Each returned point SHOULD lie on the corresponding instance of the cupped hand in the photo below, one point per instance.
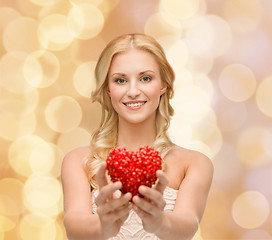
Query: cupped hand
(150, 208)
(112, 210)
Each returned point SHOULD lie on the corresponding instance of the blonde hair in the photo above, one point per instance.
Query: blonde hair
(105, 137)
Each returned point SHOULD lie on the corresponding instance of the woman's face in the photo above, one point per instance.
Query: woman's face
(134, 85)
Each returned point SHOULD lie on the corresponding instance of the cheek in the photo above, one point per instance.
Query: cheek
(115, 94)
(154, 96)
(154, 92)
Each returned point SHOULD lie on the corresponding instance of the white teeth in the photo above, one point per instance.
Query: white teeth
(134, 104)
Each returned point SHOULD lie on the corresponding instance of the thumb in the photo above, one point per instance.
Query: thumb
(101, 176)
(162, 181)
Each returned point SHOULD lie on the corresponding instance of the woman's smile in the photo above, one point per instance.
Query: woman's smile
(134, 105)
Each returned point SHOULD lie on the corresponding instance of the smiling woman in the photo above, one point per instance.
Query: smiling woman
(134, 87)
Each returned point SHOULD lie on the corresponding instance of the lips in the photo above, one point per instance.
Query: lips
(134, 104)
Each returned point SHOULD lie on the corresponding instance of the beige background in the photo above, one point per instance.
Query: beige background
(221, 52)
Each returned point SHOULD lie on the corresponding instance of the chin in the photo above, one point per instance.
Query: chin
(134, 119)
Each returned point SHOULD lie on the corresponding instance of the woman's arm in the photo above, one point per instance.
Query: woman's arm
(183, 222)
(80, 223)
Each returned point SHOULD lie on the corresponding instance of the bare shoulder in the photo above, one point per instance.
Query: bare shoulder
(75, 159)
(77, 155)
(182, 162)
(189, 157)
(79, 152)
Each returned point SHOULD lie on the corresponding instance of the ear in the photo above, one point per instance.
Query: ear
(163, 89)
(108, 90)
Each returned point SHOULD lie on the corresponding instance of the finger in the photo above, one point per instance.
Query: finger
(124, 218)
(143, 207)
(140, 212)
(153, 195)
(106, 191)
(153, 201)
(162, 181)
(115, 204)
(118, 202)
(101, 175)
(121, 214)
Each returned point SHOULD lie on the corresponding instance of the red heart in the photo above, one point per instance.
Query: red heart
(133, 169)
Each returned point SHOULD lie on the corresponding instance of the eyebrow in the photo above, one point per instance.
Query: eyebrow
(141, 73)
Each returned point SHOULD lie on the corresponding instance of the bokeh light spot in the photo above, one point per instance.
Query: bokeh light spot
(6, 224)
(237, 82)
(21, 35)
(200, 64)
(18, 105)
(198, 145)
(13, 127)
(85, 20)
(208, 36)
(180, 9)
(158, 26)
(8, 206)
(211, 135)
(58, 157)
(41, 192)
(250, 147)
(183, 78)
(41, 69)
(204, 82)
(44, 3)
(42, 159)
(191, 103)
(38, 227)
(7, 15)
(84, 80)
(11, 73)
(20, 152)
(63, 114)
(76, 138)
(11, 197)
(250, 209)
(264, 96)
(177, 54)
(94, 2)
(54, 33)
(181, 133)
(106, 6)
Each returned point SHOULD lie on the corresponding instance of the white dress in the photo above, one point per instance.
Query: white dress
(132, 227)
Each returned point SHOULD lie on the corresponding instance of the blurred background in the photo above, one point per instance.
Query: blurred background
(221, 52)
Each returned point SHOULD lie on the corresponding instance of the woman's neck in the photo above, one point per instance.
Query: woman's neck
(134, 136)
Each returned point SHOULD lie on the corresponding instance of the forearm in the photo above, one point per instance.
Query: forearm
(177, 227)
(80, 226)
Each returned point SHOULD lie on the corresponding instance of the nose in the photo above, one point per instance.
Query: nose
(133, 89)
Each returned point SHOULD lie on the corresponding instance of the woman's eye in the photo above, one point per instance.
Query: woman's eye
(120, 80)
(146, 79)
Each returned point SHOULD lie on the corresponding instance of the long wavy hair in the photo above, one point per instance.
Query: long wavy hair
(104, 138)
